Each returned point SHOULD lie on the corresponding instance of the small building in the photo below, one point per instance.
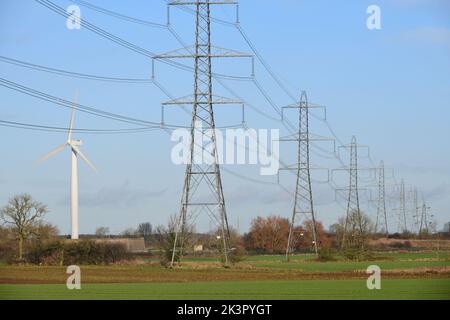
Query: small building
(198, 248)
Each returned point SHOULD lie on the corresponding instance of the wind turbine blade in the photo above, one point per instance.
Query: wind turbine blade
(52, 153)
(78, 151)
(74, 106)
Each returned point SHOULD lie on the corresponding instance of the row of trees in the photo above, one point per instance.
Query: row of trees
(270, 235)
(23, 226)
(144, 230)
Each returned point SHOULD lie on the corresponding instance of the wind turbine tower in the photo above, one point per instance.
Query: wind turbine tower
(74, 146)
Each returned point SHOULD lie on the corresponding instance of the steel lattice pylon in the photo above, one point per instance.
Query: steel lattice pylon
(202, 191)
(416, 220)
(424, 226)
(381, 221)
(402, 221)
(303, 200)
(353, 209)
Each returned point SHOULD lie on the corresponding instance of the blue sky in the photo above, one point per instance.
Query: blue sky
(389, 87)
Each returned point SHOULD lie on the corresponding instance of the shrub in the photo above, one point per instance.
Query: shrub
(357, 253)
(165, 257)
(235, 255)
(79, 252)
(7, 251)
(116, 252)
(326, 254)
(46, 253)
(401, 245)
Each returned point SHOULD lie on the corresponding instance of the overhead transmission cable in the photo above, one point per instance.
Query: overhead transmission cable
(36, 127)
(71, 73)
(126, 44)
(246, 38)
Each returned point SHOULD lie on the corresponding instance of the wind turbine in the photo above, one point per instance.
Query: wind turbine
(75, 150)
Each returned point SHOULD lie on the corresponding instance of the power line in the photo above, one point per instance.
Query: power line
(87, 109)
(87, 76)
(237, 25)
(178, 38)
(145, 52)
(119, 15)
(71, 73)
(213, 19)
(263, 62)
(36, 127)
(124, 43)
(64, 103)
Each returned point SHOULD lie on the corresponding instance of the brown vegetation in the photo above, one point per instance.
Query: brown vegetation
(145, 274)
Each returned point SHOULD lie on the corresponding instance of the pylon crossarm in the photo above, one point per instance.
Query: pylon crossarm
(208, 2)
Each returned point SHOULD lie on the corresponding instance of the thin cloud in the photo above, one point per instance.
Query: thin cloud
(428, 35)
(442, 4)
(121, 196)
(422, 170)
(438, 192)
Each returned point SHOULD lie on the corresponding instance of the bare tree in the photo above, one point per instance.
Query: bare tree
(353, 233)
(44, 231)
(145, 230)
(23, 214)
(236, 245)
(129, 232)
(165, 236)
(102, 232)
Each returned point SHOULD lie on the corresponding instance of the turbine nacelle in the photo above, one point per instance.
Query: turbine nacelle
(75, 143)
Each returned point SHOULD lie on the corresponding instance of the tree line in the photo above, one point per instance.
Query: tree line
(26, 237)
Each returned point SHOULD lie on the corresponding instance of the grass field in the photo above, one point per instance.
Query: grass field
(307, 289)
(408, 275)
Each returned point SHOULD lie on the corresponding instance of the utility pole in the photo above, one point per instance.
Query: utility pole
(381, 209)
(303, 199)
(202, 190)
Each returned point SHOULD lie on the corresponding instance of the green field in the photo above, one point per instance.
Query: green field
(405, 275)
(308, 289)
(350, 266)
(386, 261)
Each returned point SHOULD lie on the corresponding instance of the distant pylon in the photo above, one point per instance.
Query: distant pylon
(424, 218)
(303, 200)
(353, 209)
(381, 209)
(402, 214)
(416, 220)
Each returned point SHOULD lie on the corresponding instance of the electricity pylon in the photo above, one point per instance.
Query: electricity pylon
(381, 208)
(303, 199)
(424, 218)
(416, 220)
(202, 191)
(402, 212)
(353, 194)
(353, 224)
